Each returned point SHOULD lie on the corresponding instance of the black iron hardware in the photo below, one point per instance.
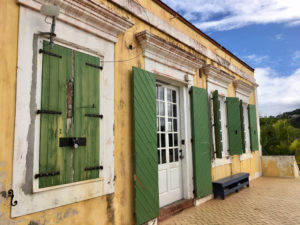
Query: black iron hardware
(49, 174)
(183, 142)
(94, 115)
(192, 140)
(72, 142)
(236, 132)
(41, 111)
(181, 155)
(95, 66)
(11, 194)
(49, 53)
(94, 168)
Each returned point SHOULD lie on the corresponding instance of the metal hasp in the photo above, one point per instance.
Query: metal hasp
(11, 194)
(41, 111)
(72, 142)
(50, 174)
(94, 168)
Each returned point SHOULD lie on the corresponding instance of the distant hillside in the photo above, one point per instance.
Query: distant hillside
(293, 117)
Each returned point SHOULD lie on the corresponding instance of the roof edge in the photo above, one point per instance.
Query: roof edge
(186, 22)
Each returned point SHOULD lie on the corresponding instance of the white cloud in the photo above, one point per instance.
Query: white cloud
(277, 94)
(232, 14)
(256, 59)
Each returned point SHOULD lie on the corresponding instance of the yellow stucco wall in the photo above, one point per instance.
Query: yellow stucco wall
(117, 208)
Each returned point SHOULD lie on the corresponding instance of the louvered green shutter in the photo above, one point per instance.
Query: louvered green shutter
(234, 126)
(253, 127)
(56, 73)
(201, 142)
(86, 101)
(217, 124)
(145, 149)
(242, 126)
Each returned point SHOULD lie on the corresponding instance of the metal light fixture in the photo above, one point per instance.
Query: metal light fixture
(50, 11)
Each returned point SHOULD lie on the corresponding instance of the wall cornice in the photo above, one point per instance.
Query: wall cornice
(217, 76)
(243, 88)
(87, 15)
(147, 16)
(160, 50)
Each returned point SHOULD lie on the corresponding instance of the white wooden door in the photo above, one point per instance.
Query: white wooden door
(168, 145)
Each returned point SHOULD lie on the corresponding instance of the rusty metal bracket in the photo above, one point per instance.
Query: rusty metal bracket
(11, 194)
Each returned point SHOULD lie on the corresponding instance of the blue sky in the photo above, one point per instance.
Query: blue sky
(263, 33)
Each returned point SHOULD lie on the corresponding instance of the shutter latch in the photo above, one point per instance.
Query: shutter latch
(11, 194)
(72, 142)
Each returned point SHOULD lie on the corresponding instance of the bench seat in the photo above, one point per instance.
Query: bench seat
(227, 185)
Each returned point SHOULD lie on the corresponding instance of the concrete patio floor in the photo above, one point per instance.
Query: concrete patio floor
(267, 201)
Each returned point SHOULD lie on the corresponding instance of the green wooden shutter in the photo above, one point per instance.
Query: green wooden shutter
(56, 73)
(86, 101)
(253, 127)
(145, 149)
(201, 142)
(242, 126)
(217, 124)
(234, 126)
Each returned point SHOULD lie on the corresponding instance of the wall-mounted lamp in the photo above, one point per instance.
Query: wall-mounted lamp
(50, 11)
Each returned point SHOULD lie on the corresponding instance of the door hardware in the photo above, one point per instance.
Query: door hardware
(181, 156)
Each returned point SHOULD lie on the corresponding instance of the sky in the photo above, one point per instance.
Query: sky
(263, 33)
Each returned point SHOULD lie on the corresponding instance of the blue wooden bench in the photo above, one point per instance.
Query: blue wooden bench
(230, 184)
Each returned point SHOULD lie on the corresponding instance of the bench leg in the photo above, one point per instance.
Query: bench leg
(223, 196)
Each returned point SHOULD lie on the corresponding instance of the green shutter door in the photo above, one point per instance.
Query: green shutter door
(217, 124)
(201, 142)
(242, 126)
(253, 127)
(56, 73)
(234, 126)
(145, 149)
(86, 101)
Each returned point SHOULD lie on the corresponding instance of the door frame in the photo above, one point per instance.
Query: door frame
(178, 78)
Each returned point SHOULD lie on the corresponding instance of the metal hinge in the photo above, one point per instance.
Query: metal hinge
(94, 115)
(49, 53)
(94, 168)
(49, 174)
(41, 111)
(95, 66)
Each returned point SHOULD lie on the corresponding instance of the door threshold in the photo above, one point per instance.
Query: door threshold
(174, 208)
